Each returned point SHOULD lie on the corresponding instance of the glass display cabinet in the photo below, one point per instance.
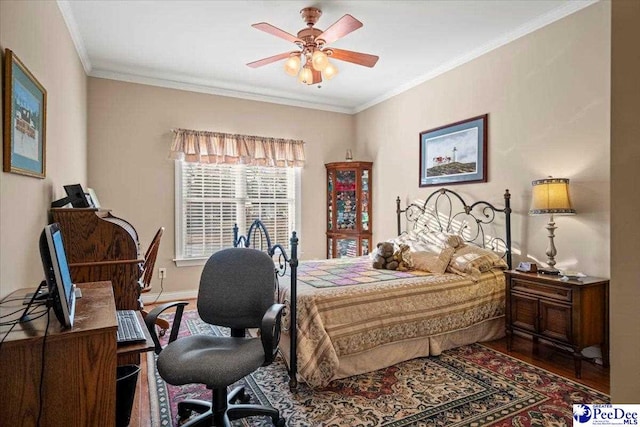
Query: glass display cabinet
(348, 209)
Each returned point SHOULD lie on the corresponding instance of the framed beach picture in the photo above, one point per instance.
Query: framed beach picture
(455, 153)
(24, 120)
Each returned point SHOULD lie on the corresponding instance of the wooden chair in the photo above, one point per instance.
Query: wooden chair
(147, 274)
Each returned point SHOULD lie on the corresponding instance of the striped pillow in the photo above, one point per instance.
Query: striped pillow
(471, 260)
(432, 261)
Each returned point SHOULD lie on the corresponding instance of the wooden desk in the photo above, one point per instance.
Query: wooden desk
(101, 246)
(79, 377)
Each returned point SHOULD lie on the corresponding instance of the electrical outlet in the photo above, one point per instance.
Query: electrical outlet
(162, 272)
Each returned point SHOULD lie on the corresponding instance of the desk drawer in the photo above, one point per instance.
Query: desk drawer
(542, 290)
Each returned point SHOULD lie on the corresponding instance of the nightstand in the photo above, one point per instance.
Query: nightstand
(571, 314)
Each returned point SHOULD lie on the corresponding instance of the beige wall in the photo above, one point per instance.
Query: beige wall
(547, 95)
(129, 140)
(625, 237)
(35, 31)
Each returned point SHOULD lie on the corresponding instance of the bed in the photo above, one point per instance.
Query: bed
(351, 318)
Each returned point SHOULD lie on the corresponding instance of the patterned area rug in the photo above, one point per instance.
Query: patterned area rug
(468, 386)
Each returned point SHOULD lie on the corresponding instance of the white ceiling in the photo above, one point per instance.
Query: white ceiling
(204, 45)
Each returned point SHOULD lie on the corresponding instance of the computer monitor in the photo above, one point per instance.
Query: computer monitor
(76, 195)
(56, 271)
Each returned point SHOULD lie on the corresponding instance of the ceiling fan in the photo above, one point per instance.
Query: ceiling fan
(313, 48)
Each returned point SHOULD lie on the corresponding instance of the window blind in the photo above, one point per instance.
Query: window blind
(214, 197)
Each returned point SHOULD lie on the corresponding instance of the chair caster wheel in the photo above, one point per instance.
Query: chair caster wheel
(161, 332)
(244, 398)
(183, 415)
(240, 396)
(280, 423)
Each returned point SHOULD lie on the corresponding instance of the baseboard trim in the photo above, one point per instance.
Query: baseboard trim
(150, 298)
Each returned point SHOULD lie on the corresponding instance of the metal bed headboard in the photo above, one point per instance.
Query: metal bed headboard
(445, 210)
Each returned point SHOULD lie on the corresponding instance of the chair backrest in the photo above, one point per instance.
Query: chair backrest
(237, 286)
(150, 260)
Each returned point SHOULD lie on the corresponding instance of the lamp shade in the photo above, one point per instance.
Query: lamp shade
(292, 65)
(306, 75)
(330, 71)
(319, 60)
(551, 196)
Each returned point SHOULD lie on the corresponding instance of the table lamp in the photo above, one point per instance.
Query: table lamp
(550, 196)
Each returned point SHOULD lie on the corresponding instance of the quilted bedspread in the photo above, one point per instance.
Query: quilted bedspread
(346, 307)
(347, 271)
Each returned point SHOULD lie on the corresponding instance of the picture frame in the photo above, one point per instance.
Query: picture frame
(24, 120)
(94, 198)
(455, 153)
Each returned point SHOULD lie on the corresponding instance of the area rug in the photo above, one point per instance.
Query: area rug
(467, 386)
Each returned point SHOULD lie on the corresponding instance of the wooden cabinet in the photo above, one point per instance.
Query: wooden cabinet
(349, 208)
(67, 374)
(572, 314)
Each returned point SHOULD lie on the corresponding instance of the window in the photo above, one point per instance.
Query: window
(211, 198)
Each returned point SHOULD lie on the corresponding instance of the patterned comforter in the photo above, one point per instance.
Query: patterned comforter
(342, 311)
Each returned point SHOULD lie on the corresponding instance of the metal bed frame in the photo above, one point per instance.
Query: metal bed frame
(443, 210)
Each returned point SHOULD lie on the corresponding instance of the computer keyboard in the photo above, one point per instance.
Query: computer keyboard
(129, 328)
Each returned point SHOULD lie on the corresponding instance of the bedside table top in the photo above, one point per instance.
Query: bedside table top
(555, 279)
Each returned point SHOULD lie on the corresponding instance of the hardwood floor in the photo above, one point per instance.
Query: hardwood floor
(547, 357)
(555, 360)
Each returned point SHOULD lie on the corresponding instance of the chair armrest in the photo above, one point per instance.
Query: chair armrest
(270, 332)
(151, 317)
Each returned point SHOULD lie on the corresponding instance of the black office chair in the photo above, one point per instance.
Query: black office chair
(237, 292)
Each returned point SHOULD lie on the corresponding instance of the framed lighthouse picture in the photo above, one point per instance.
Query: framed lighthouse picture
(455, 153)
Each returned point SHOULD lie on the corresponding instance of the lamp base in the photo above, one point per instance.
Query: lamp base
(548, 270)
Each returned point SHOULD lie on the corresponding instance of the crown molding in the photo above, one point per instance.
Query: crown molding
(173, 82)
(529, 27)
(204, 87)
(72, 26)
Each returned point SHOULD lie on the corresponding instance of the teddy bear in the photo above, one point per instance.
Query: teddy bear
(383, 256)
(403, 257)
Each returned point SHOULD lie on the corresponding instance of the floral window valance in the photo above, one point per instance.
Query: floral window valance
(214, 147)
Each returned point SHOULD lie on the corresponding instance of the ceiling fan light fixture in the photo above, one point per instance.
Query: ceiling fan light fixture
(292, 65)
(319, 60)
(305, 76)
(330, 71)
(311, 62)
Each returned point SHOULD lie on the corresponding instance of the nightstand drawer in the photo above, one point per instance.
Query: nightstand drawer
(541, 289)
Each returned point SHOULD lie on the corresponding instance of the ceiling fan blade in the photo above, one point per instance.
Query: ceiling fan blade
(317, 76)
(354, 57)
(269, 60)
(275, 31)
(340, 28)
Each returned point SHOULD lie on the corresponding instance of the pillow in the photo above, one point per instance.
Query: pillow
(471, 260)
(441, 239)
(432, 261)
(410, 239)
(427, 240)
